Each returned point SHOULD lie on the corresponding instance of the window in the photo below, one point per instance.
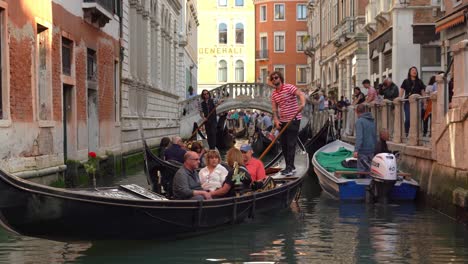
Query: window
(222, 33)
(301, 74)
(67, 51)
(375, 65)
(43, 76)
(263, 13)
(279, 11)
(387, 60)
(279, 41)
(301, 12)
(239, 33)
(430, 56)
(264, 46)
(300, 41)
(222, 71)
(263, 75)
(239, 2)
(91, 65)
(280, 68)
(239, 71)
(222, 3)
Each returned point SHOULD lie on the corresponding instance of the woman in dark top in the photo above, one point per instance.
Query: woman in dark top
(163, 145)
(358, 97)
(411, 85)
(238, 179)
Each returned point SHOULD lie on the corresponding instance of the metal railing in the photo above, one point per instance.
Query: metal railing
(261, 54)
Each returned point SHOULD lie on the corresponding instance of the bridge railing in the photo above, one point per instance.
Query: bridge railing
(391, 116)
(227, 92)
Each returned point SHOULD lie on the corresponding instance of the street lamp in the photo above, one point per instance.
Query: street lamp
(404, 3)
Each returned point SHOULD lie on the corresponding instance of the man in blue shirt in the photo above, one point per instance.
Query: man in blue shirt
(365, 138)
(176, 151)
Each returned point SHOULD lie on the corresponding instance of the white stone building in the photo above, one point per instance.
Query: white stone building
(153, 70)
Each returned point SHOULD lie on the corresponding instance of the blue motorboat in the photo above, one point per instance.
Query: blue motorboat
(346, 183)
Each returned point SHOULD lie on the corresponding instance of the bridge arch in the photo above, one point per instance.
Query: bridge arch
(234, 96)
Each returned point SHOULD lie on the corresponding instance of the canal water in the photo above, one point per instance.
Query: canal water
(315, 230)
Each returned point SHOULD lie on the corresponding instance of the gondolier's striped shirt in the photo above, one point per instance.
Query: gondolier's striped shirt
(286, 100)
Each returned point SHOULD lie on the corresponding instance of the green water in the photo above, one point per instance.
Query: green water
(316, 230)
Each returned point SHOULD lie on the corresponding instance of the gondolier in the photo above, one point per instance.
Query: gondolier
(285, 107)
(207, 105)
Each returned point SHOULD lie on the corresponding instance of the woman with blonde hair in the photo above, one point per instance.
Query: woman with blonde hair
(213, 175)
(238, 177)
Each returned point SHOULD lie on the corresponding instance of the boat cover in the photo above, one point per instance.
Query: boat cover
(331, 161)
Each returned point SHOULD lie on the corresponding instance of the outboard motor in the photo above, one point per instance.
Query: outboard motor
(384, 176)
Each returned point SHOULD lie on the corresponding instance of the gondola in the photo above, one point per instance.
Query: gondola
(129, 211)
(261, 142)
(224, 139)
(241, 133)
(306, 132)
(323, 137)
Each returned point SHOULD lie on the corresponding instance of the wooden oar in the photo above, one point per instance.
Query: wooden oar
(276, 138)
(204, 121)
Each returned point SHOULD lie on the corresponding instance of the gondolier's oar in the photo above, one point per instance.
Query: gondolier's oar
(204, 121)
(276, 138)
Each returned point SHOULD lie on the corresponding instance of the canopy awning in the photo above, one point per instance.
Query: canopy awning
(451, 20)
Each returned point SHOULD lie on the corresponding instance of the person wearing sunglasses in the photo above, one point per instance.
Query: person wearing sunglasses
(285, 106)
(186, 184)
(207, 104)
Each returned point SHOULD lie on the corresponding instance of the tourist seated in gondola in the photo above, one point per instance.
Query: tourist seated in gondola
(176, 151)
(238, 179)
(253, 165)
(213, 175)
(186, 184)
(163, 145)
(200, 150)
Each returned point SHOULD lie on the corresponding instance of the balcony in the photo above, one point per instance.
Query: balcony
(98, 12)
(344, 32)
(261, 54)
(371, 12)
(383, 10)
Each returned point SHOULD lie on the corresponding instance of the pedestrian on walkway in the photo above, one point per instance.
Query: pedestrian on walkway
(411, 85)
(285, 106)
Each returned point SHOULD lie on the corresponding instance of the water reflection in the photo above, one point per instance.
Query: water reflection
(316, 230)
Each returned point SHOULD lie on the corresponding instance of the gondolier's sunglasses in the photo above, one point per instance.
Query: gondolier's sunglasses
(276, 77)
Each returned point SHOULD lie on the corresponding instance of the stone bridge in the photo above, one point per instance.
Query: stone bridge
(234, 96)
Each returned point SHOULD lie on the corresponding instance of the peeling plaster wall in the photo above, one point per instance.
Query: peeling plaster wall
(30, 144)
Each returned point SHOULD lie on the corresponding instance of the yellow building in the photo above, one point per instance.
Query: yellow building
(226, 43)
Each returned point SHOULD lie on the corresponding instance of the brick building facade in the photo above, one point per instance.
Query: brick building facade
(280, 40)
(59, 82)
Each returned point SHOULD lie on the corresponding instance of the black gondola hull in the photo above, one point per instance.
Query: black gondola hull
(39, 211)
